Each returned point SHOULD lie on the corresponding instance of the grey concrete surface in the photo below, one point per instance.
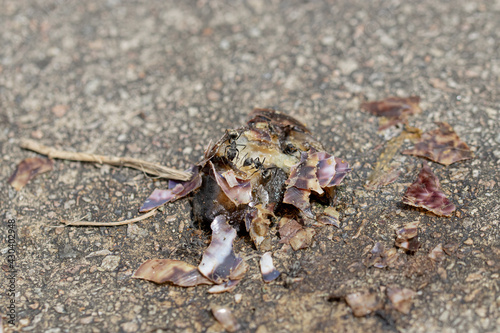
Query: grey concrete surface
(159, 79)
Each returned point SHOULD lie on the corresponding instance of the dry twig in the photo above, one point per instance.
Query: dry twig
(148, 167)
(110, 224)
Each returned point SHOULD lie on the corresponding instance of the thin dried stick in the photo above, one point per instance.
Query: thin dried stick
(148, 167)
(360, 229)
(110, 224)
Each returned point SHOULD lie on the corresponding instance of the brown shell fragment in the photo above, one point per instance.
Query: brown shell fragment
(437, 253)
(441, 145)
(363, 302)
(259, 229)
(28, 169)
(176, 272)
(380, 258)
(300, 199)
(382, 178)
(425, 192)
(302, 239)
(239, 194)
(288, 228)
(401, 299)
(341, 170)
(225, 287)
(395, 109)
(276, 118)
(330, 216)
(303, 175)
(226, 318)
(219, 262)
(406, 237)
(269, 272)
(257, 134)
(176, 190)
(326, 168)
(409, 231)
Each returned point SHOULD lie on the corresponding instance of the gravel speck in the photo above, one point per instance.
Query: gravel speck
(110, 263)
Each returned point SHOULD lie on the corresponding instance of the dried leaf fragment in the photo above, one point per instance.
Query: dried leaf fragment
(363, 302)
(401, 299)
(426, 192)
(441, 145)
(226, 318)
(176, 272)
(28, 169)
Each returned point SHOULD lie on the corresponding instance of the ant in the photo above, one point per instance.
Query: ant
(257, 163)
(289, 149)
(231, 152)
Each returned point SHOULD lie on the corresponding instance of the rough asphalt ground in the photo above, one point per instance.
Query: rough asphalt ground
(159, 79)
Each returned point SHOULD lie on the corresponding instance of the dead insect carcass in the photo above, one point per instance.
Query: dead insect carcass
(256, 174)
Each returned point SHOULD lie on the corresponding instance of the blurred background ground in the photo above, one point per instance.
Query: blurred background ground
(158, 79)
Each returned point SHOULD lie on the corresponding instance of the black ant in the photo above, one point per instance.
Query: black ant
(289, 149)
(255, 161)
(231, 152)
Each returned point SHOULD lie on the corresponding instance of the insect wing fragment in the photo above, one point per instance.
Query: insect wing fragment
(238, 194)
(269, 272)
(226, 318)
(394, 110)
(300, 199)
(176, 191)
(363, 302)
(341, 170)
(441, 145)
(177, 272)
(401, 299)
(425, 192)
(219, 262)
(28, 169)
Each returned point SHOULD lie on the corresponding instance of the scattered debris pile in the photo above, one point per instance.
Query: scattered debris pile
(254, 180)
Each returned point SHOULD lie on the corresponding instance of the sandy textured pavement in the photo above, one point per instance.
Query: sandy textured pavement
(158, 80)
